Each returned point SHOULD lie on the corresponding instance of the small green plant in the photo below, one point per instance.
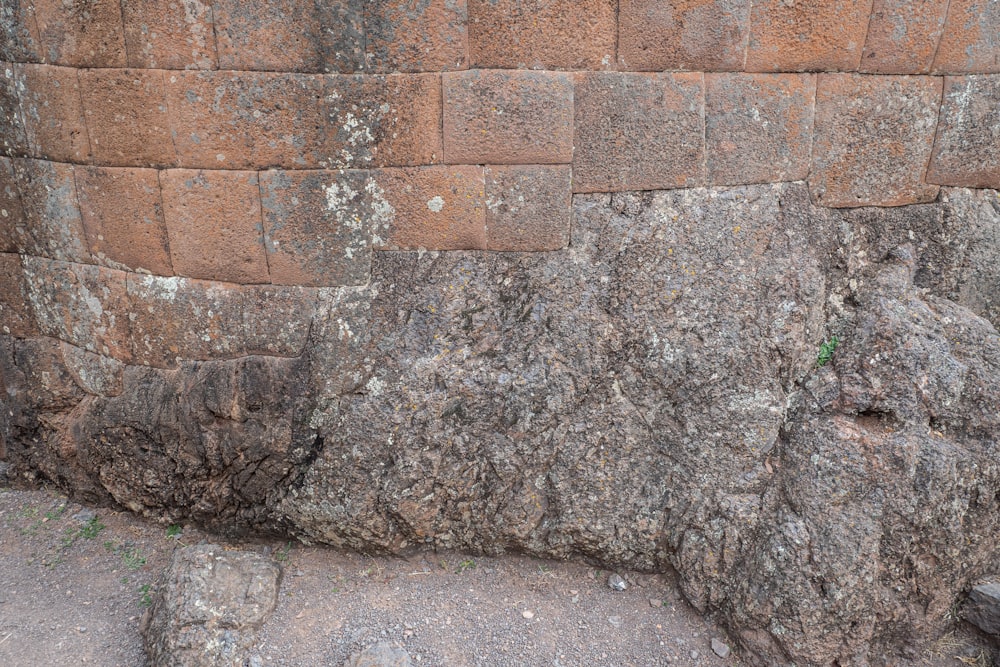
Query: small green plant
(826, 351)
(91, 529)
(467, 564)
(281, 555)
(174, 531)
(132, 559)
(146, 596)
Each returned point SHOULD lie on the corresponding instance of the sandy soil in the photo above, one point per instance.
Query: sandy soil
(75, 581)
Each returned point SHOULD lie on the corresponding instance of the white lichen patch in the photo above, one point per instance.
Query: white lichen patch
(436, 203)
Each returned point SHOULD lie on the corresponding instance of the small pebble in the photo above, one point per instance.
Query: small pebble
(720, 647)
(655, 602)
(616, 582)
(694, 655)
(528, 614)
(81, 629)
(616, 621)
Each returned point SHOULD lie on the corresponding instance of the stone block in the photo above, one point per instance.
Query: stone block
(290, 35)
(683, 34)
(873, 138)
(638, 131)
(542, 34)
(214, 224)
(405, 36)
(244, 120)
(128, 119)
(53, 113)
(903, 36)
(122, 215)
(52, 226)
(18, 32)
(758, 127)
(824, 35)
(170, 35)
(11, 211)
(967, 146)
(508, 117)
(81, 34)
(317, 227)
(95, 374)
(971, 40)
(16, 315)
(13, 140)
(983, 606)
(178, 319)
(276, 319)
(528, 207)
(81, 304)
(434, 208)
(381, 121)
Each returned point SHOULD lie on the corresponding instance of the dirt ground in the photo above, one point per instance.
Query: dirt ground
(74, 581)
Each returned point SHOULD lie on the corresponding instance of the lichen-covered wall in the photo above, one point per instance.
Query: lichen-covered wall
(542, 275)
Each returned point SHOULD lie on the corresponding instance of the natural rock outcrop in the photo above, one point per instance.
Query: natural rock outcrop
(208, 608)
(648, 397)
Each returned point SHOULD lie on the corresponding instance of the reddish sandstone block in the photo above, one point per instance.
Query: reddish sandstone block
(127, 117)
(53, 113)
(290, 35)
(406, 36)
(177, 319)
(123, 218)
(214, 225)
(52, 225)
(971, 40)
(508, 117)
(528, 207)
(705, 35)
(542, 34)
(11, 211)
(16, 315)
(435, 208)
(381, 121)
(873, 139)
(81, 34)
(638, 132)
(317, 227)
(903, 36)
(967, 146)
(169, 35)
(241, 120)
(81, 304)
(820, 35)
(758, 127)
(18, 32)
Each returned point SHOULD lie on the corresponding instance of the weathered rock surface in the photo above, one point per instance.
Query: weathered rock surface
(209, 606)
(648, 397)
(983, 606)
(382, 654)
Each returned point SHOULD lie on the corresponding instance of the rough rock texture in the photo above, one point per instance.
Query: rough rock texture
(983, 606)
(208, 608)
(648, 396)
(382, 654)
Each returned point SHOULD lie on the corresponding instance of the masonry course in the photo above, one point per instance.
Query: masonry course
(359, 207)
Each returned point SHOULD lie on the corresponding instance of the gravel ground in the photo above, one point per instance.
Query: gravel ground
(75, 581)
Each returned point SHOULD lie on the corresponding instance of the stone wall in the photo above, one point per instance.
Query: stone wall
(544, 276)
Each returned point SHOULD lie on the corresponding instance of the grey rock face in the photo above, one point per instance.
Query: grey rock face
(209, 607)
(983, 607)
(382, 654)
(649, 398)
